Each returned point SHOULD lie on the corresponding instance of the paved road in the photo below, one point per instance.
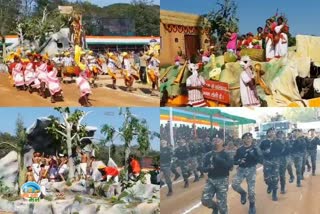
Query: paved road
(101, 97)
(303, 200)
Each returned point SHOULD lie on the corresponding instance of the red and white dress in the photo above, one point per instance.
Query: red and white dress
(83, 84)
(248, 96)
(29, 73)
(281, 48)
(195, 96)
(53, 82)
(270, 52)
(17, 73)
(42, 72)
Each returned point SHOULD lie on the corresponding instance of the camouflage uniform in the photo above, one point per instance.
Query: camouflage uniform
(173, 168)
(182, 154)
(272, 152)
(247, 158)
(304, 158)
(312, 152)
(217, 187)
(289, 160)
(298, 152)
(165, 162)
(193, 161)
(217, 165)
(283, 165)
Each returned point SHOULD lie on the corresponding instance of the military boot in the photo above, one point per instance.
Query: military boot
(186, 184)
(176, 177)
(196, 178)
(243, 198)
(201, 175)
(313, 173)
(291, 179)
(299, 184)
(283, 191)
(274, 195)
(169, 193)
(269, 190)
(215, 211)
(252, 208)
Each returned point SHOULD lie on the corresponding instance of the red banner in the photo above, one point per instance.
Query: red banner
(217, 91)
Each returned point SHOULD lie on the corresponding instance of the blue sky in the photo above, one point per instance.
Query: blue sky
(97, 118)
(303, 16)
(108, 2)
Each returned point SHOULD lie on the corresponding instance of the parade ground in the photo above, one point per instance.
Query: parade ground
(295, 201)
(101, 96)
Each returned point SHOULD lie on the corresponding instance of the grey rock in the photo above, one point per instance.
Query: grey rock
(147, 208)
(9, 169)
(116, 209)
(78, 187)
(6, 205)
(62, 206)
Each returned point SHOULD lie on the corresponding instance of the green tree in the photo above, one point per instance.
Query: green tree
(69, 131)
(146, 17)
(19, 146)
(37, 27)
(301, 114)
(222, 20)
(9, 14)
(132, 128)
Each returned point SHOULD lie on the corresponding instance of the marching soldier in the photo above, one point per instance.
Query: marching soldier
(298, 150)
(217, 164)
(247, 157)
(304, 156)
(271, 150)
(283, 161)
(165, 162)
(290, 158)
(182, 154)
(193, 159)
(313, 142)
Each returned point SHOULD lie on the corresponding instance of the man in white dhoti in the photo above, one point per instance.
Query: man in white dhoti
(194, 85)
(248, 91)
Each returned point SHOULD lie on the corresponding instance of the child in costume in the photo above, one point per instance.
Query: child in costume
(194, 85)
(248, 91)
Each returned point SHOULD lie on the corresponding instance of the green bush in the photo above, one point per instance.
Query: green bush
(78, 198)
(48, 198)
(68, 182)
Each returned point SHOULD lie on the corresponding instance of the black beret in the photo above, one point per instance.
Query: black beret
(246, 134)
(218, 135)
(270, 129)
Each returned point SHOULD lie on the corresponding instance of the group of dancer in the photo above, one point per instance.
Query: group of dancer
(273, 38)
(40, 73)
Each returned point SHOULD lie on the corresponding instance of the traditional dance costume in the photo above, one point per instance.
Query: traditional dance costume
(17, 73)
(195, 96)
